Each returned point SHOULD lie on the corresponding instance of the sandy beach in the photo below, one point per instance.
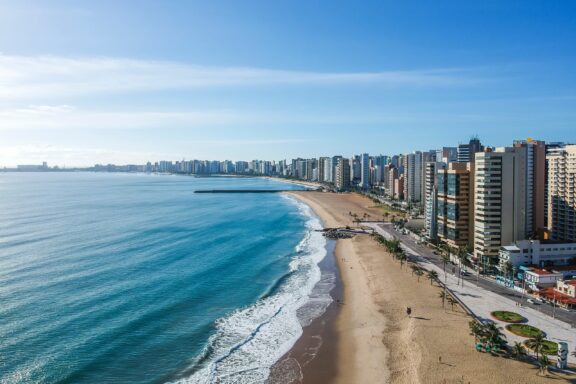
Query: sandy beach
(376, 342)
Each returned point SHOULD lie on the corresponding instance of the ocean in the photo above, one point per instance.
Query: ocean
(133, 278)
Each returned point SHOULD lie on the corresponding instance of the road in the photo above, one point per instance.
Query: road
(479, 281)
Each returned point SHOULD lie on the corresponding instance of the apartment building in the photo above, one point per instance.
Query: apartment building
(561, 193)
(455, 208)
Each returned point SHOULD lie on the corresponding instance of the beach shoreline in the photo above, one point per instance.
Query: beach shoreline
(375, 341)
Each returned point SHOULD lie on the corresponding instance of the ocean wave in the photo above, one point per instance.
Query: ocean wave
(250, 340)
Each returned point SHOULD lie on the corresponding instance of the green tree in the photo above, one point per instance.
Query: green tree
(536, 343)
(432, 275)
(451, 301)
(403, 258)
(445, 260)
(442, 295)
(494, 335)
(518, 350)
(419, 273)
(476, 328)
(544, 362)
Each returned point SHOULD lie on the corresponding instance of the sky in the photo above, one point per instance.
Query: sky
(85, 82)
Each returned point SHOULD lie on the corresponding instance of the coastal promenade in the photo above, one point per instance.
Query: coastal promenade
(482, 302)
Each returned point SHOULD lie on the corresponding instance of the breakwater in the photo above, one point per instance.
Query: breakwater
(243, 190)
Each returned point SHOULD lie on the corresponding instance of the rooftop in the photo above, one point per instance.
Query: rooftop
(565, 268)
(541, 272)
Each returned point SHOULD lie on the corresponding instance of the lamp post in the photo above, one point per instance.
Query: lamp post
(554, 306)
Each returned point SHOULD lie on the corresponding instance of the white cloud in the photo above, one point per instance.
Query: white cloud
(27, 77)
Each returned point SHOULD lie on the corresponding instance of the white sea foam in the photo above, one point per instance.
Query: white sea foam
(250, 340)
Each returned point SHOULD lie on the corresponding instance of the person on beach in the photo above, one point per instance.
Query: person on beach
(408, 311)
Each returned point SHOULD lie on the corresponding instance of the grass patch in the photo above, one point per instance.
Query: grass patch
(389, 210)
(509, 317)
(548, 348)
(524, 330)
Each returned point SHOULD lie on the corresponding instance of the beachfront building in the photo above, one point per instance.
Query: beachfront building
(355, 169)
(399, 188)
(322, 168)
(537, 278)
(365, 172)
(413, 177)
(427, 157)
(539, 253)
(561, 193)
(431, 198)
(379, 163)
(343, 174)
(563, 294)
(535, 185)
(455, 204)
(311, 170)
(506, 199)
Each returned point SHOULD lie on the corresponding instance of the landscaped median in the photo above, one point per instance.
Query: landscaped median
(524, 330)
(508, 317)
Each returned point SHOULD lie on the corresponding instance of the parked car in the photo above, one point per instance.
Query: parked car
(532, 301)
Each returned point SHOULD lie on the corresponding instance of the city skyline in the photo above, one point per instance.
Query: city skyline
(85, 84)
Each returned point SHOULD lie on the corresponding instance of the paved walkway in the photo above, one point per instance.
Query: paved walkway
(481, 302)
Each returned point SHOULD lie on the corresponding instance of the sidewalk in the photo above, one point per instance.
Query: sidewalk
(481, 302)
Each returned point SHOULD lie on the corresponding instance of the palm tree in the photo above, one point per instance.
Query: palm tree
(495, 335)
(451, 301)
(536, 343)
(518, 350)
(476, 327)
(414, 268)
(445, 260)
(402, 257)
(544, 363)
(419, 273)
(432, 275)
(442, 295)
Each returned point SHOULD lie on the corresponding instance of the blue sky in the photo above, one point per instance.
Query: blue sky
(128, 81)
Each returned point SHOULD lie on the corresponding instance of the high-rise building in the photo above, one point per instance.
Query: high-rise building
(299, 168)
(447, 154)
(535, 186)
(380, 163)
(413, 177)
(322, 169)
(399, 187)
(466, 152)
(455, 208)
(335, 160)
(431, 198)
(499, 201)
(365, 171)
(356, 169)
(311, 165)
(427, 157)
(561, 193)
(343, 174)
(391, 177)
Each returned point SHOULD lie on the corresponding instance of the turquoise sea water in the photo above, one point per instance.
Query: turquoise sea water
(132, 278)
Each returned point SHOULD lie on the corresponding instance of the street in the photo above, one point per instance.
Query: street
(480, 281)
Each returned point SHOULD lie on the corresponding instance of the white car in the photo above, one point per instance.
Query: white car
(535, 302)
